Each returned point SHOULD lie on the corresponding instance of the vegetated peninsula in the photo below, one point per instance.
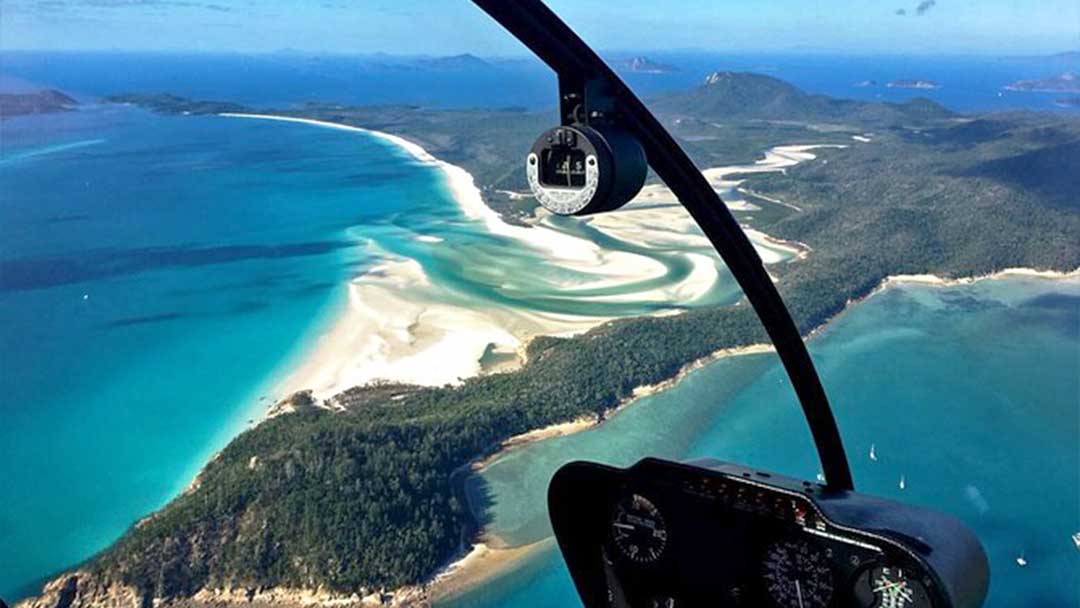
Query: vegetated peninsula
(358, 495)
(37, 102)
(912, 83)
(1062, 83)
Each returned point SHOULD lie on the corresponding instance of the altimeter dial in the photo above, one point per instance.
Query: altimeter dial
(891, 587)
(797, 575)
(638, 530)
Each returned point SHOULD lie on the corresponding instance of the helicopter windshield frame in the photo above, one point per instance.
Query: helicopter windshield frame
(588, 84)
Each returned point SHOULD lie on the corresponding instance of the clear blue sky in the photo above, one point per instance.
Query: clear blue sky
(455, 26)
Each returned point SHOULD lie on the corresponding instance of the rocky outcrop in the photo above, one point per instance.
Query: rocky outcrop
(80, 589)
(279, 597)
(296, 402)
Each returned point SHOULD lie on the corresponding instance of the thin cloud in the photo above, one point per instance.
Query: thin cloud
(920, 10)
(53, 5)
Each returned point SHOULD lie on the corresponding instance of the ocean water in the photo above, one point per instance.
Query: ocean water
(155, 276)
(968, 83)
(970, 392)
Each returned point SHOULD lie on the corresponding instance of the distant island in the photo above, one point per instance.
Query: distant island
(644, 65)
(37, 102)
(164, 103)
(1063, 83)
(862, 84)
(1068, 102)
(909, 83)
(465, 61)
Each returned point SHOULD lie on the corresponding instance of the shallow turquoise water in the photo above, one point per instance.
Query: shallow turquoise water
(159, 274)
(971, 392)
(156, 275)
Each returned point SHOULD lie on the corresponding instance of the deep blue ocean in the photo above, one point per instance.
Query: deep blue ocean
(159, 274)
(967, 84)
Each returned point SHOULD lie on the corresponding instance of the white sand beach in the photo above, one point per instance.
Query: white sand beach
(398, 325)
(931, 279)
(481, 563)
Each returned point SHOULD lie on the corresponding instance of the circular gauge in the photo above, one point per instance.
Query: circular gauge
(638, 529)
(579, 169)
(797, 575)
(890, 587)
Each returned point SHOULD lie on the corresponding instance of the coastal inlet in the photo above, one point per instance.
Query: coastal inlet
(452, 290)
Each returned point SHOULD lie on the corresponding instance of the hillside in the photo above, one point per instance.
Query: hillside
(732, 95)
(358, 500)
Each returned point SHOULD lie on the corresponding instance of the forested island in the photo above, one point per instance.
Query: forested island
(645, 65)
(360, 497)
(913, 83)
(1062, 83)
(164, 103)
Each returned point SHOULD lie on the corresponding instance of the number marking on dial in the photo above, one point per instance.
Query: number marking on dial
(638, 530)
(797, 574)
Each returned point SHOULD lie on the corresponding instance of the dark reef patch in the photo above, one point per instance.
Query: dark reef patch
(43, 272)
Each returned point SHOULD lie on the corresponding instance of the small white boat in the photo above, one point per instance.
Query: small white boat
(903, 483)
(1021, 560)
(1076, 540)
(873, 452)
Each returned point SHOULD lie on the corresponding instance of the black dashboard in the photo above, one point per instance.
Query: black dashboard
(668, 535)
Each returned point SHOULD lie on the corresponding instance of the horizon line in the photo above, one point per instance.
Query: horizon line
(527, 56)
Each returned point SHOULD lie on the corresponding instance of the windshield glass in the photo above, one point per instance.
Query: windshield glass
(281, 320)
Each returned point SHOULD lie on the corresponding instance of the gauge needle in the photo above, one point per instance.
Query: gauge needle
(889, 586)
(798, 592)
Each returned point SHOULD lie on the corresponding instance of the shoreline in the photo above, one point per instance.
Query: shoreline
(393, 326)
(396, 323)
(484, 561)
(585, 423)
(465, 572)
(477, 574)
(933, 280)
